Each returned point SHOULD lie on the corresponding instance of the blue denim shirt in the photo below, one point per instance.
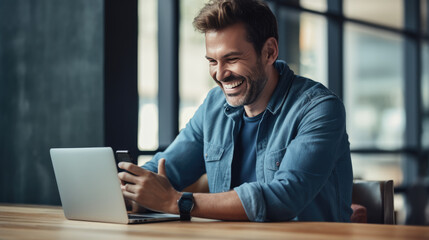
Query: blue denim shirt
(303, 165)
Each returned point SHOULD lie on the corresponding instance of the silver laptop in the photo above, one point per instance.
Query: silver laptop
(90, 189)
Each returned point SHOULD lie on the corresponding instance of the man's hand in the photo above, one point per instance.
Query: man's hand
(150, 190)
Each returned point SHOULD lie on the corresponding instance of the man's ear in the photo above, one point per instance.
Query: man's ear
(270, 51)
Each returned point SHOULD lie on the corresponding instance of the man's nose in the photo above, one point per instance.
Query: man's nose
(222, 72)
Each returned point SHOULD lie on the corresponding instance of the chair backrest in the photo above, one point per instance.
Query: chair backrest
(377, 198)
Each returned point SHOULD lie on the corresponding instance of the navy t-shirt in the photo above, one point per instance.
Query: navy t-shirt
(244, 162)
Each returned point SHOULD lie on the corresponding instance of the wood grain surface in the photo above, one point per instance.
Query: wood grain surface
(48, 222)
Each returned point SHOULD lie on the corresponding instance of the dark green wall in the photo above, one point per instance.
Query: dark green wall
(51, 90)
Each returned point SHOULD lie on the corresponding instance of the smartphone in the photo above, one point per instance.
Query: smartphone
(123, 156)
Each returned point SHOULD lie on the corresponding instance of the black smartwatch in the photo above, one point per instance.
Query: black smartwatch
(186, 204)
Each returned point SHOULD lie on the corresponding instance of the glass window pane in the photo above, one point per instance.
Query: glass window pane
(194, 78)
(378, 167)
(289, 37)
(316, 5)
(373, 87)
(302, 43)
(313, 47)
(148, 75)
(425, 94)
(384, 12)
(142, 159)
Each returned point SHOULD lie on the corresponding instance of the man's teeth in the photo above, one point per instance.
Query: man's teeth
(233, 85)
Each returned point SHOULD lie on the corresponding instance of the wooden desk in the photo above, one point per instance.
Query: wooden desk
(46, 222)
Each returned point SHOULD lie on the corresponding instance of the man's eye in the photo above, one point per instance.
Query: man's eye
(232, 59)
(212, 62)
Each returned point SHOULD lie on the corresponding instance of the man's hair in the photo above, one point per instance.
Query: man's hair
(257, 17)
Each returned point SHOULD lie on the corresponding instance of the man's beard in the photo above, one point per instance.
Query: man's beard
(255, 84)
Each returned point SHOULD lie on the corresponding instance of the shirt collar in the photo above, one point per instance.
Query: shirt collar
(233, 112)
(283, 85)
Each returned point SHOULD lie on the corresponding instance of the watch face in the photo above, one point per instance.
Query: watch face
(185, 204)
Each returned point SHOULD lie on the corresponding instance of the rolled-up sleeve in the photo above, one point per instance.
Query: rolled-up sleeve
(308, 163)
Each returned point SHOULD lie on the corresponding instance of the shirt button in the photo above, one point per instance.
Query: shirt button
(227, 109)
(277, 164)
(206, 155)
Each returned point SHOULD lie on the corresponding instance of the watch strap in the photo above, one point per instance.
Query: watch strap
(186, 204)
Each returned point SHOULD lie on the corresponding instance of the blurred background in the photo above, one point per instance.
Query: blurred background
(130, 74)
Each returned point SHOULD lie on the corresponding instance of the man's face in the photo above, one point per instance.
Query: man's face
(234, 65)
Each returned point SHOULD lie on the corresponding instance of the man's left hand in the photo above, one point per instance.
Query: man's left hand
(150, 190)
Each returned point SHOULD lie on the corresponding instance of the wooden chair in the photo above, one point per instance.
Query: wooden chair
(377, 198)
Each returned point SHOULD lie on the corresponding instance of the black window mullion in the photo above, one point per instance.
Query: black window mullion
(120, 75)
(427, 19)
(412, 75)
(412, 164)
(168, 70)
(335, 47)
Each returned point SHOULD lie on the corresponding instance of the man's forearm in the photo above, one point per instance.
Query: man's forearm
(224, 206)
(154, 191)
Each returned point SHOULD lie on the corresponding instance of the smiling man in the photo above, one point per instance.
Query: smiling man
(273, 144)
